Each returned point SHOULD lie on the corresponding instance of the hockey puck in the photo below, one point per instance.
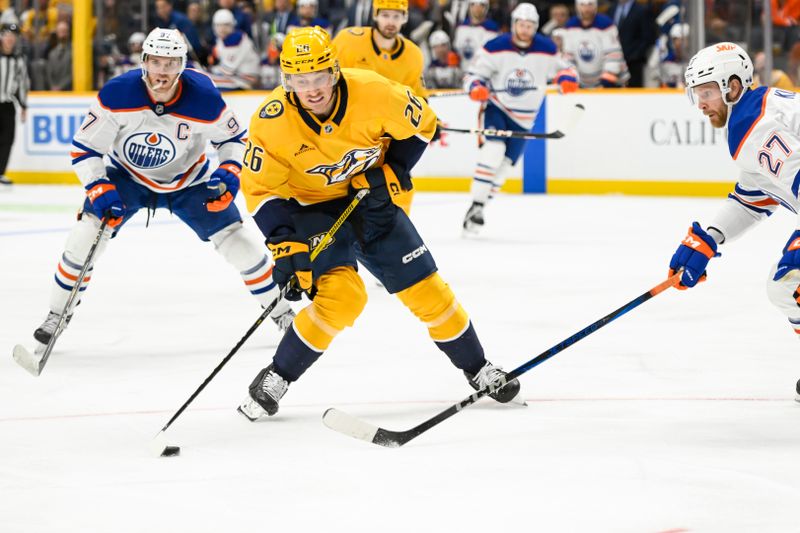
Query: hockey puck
(171, 451)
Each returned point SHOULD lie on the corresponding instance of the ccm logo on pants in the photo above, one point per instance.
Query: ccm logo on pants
(413, 255)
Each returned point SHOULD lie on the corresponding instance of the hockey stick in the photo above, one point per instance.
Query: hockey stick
(28, 360)
(356, 428)
(574, 117)
(159, 445)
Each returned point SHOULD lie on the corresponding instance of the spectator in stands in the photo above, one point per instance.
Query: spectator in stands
(59, 60)
(559, 15)
(133, 59)
(359, 14)
(785, 18)
(675, 57)
(779, 79)
(270, 63)
(307, 16)
(636, 34)
(167, 17)
(591, 44)
(244, 21)
(474, 32)
(280, 18)
(197, 16)
(13, 90)
(444, 70)
(39, 22)
(235, 64)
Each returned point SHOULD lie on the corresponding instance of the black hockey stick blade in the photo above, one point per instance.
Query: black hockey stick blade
(349, 425)
(569, 125)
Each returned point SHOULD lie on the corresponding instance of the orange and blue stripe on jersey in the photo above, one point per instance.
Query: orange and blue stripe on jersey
(504, 43)
(744, 118)
(757, 201)
(82, 152)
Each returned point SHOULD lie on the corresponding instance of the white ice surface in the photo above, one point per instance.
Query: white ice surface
(676, 417)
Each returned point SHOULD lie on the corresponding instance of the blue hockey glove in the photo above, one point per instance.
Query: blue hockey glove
(693, 255)
(292, 261)
(791, 256)
(106, 200)
(223, 185)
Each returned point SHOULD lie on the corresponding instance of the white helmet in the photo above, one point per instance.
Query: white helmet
(679, 31)
(223, 16)
(585, 3)
(525, 12)
(482, 2)
(719, 63)
(164, 43)
(439, 37)
(314, 3)
(136, 38)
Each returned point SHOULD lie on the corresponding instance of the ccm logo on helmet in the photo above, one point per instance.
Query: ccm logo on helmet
(413, 255)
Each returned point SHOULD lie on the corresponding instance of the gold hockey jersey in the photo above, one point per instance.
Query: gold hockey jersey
(404, 64)
(292, 154)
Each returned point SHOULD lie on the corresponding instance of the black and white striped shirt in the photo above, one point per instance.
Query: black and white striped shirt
(13, 80)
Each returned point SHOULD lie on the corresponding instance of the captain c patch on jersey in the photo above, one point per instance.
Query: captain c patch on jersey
(354, 162)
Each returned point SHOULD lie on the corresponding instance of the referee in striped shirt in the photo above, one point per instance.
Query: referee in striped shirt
(13, 88)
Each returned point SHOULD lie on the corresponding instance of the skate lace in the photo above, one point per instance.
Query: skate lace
(51, 322)
(488, 375)
(284, 320)
(274, 385)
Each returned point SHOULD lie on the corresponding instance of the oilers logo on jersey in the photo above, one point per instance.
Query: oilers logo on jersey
(586, 51)
(354, 162)
(519, 81)
(148, 150)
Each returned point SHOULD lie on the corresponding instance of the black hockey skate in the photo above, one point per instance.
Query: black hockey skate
(45, 332)
(494, 378)
(473, 220)
(265, 393)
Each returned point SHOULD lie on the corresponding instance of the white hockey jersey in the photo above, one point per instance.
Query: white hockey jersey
(518, 78)
(160, 146)
(236, 62)
(764, 141)
(468, 39)
(595, 51)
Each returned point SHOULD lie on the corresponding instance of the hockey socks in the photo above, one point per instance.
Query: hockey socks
(465, 351)
(293, 356)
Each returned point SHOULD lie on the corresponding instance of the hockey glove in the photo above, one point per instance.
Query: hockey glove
(377, 209)
(106, 200)
(609, 80)
(693, 255)
(223, 185)
(567, 81)
(791, 257)
(292, 261)
(478, 91)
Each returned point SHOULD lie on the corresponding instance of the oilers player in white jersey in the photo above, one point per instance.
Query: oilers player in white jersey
(591, 44)
(154, 126)
(474, 31)
(236, 64)
(763, 129)
(510, 76)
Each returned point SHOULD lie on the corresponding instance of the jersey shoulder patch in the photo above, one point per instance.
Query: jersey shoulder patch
(272, 109)
(356, 30)
(124, 93)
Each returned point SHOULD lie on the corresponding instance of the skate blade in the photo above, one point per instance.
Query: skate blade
(518, 400)
(27, 360)
(252, 411)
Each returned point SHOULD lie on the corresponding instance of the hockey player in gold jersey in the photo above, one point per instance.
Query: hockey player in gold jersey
(315, 141)
(382, 49)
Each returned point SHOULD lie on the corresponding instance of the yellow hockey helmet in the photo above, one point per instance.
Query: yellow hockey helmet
(308, 50)
(397, 5)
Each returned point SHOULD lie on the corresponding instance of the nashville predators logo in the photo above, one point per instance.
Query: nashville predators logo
(354, 162)
(272, 109)
(314, 241)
